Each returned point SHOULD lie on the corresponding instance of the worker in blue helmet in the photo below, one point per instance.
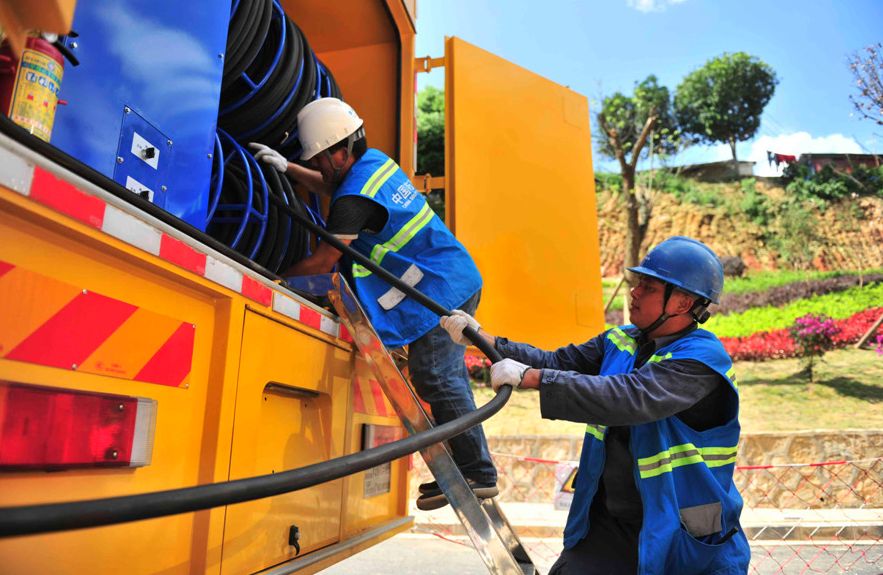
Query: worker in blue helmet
(654, 493)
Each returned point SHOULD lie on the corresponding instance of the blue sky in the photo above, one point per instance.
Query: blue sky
(597, 47)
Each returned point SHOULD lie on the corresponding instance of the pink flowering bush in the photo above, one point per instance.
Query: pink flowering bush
(479, 368)
(779, 343)
(880, 344)
(813, 335)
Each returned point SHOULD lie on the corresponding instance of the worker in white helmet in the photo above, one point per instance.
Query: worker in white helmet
(375, 209)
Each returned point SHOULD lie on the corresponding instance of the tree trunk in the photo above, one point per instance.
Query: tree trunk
(735, 160)
(633, 234)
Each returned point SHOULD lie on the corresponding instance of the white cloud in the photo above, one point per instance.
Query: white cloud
(796, 144)
(652, 5)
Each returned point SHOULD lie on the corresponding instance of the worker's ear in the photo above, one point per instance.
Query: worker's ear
(684, 302)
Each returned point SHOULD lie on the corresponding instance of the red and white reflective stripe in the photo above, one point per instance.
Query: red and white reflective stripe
(42, 186)
(289, 307)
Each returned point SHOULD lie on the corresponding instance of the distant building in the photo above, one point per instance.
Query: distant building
(715, 171)
(840, 162)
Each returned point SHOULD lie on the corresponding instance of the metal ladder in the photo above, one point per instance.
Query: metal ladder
(484, 522)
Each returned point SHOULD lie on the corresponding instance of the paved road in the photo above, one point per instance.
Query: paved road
(412, 554)
(417, 554)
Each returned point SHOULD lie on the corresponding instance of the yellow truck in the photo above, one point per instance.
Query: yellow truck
(139, 354)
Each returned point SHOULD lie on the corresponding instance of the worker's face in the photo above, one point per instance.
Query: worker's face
(647, 299)
(646, 304)
(326, 164)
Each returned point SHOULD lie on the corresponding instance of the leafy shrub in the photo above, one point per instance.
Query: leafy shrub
(780, 295)
(794, 233)
(768, 318)
(755, 205)
(608, 181)
(764, 280)
(828, 184)
(813, 335)
(777, 344)
(684, 189)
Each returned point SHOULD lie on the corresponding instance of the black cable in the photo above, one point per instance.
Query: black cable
(248, 29)
(46, 518)
(429, 303)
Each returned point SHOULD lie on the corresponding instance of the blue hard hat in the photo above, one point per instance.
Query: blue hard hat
(687, 264)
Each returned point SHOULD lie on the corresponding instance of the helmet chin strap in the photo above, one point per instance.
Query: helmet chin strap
(664, 316)
(698, 311)
(350, 140)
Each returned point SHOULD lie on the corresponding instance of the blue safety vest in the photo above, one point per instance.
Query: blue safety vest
(414, 245)
(684, 476)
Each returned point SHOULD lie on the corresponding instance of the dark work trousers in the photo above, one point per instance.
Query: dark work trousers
(611, 545)
(439, 375)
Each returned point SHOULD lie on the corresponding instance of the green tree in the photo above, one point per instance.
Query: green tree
(723, 100)
(868, 73)
(431, 131)
(635, 127)
(431, 141)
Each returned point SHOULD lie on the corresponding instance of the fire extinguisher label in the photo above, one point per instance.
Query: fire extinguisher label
(35, 96)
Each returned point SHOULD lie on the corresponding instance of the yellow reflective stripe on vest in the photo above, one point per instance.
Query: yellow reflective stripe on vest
(404, 235)
(658, 358)
(596, 431)
(378, 178)
(686, 454)
(360, 271)
(732, 376)
(398, 241)
(622, 340)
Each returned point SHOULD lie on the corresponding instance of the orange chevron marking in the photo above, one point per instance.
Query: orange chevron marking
(27, 301)
(48, 322)
(131, 346)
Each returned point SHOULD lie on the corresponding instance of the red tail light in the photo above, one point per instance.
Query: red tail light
(52, 428)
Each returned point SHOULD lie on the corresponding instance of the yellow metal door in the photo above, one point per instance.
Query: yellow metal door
(292, 405)
(520, 195)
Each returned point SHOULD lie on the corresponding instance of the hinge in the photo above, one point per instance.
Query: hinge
(428, 63)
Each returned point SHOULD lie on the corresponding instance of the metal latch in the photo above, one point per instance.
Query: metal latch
(294, 539)
(427, 63)
(427, 182)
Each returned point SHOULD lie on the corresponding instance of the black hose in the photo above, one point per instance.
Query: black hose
(429, 303)
(32, 519)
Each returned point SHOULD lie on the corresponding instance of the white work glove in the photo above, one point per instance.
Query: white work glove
(455, 323)
(507, 372)
(268, 155)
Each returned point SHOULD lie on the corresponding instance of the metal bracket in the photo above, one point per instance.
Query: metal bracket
(427, 63)
(427, 182)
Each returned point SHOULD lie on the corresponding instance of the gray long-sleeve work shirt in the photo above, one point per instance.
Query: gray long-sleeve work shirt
(571, 389)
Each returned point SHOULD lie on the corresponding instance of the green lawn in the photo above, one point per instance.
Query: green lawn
(847, 394)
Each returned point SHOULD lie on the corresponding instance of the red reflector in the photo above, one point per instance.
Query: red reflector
(377, 435)
(51, 428)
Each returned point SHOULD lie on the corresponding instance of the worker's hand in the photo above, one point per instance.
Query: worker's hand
(270, 156)
(507, 372)
(455, 323)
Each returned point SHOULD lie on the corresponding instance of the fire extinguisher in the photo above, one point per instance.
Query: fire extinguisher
(29, 86)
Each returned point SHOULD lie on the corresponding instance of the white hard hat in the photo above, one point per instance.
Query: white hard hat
(324, 122)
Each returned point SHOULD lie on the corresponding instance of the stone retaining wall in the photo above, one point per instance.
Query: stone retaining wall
(534, 479)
